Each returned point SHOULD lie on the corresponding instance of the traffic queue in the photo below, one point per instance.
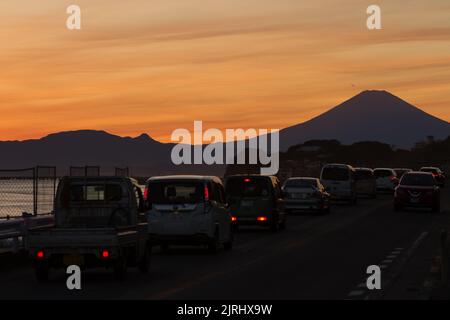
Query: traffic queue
(113, 222)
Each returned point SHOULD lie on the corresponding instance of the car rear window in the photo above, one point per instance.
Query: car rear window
(334, 173)
(422, 180)
(363, 175)
(382, 173)
(95, 192)
(248, 187)
(175, 192)
(300, 183)
(401, 172)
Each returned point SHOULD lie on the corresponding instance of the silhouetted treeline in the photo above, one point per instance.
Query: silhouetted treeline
(307, 159)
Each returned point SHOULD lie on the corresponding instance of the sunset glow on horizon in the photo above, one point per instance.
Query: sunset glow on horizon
(154, 66)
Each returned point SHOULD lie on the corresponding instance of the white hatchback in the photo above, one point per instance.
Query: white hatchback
(188, 210)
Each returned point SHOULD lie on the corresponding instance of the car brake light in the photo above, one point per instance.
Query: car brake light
(233, 219)
(105, 254)
(262, 219)
(40, 254)
(247, 180)
(146, 193)
(206, 193)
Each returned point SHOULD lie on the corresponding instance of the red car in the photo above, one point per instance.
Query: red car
(417, 189)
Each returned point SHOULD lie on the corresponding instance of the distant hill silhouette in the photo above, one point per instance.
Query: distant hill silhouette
(369, 116)
(143, 155)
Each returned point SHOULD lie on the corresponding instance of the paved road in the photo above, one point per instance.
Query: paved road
(317, 257)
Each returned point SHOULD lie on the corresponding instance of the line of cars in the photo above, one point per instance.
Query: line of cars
(344, 183)
(110, 222)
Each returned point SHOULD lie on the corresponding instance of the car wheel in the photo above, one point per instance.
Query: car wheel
(283, 222)
(436, 209)
(165, 248)
(213, 245)
(42, 272)
(144, 264)
(120, 268)
(274, 226)
(229, 244)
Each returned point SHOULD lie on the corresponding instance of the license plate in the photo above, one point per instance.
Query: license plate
(246, 203)
(414, 200)
(73, 259)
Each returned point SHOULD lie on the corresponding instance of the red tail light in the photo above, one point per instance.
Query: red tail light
(262, 219)
(206, 193)
(40, 254)
(247, 180)
(146, 193)
(233, 219)
(105, 254)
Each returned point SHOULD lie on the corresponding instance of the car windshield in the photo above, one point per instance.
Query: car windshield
(335, 173)
(422, 180)
(248, 187)
(363, 174)
(383, 173)
(175, 192)
(301, 183)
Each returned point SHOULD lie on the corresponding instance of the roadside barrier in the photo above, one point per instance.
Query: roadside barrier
(17, 229)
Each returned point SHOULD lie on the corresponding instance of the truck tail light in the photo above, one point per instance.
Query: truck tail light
(105, 254)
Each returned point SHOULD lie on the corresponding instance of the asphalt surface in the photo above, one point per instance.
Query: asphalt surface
(316, 257)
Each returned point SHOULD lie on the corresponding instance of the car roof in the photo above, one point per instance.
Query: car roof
(249, 176)
(432, 168)
(418, 173)
(363, 169)
(185, 177)
(338, 165)
(302, 178)
(389, 169)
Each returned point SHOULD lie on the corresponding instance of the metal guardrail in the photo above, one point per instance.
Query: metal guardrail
(19, 228)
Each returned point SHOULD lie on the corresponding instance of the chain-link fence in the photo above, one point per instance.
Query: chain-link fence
(122, 172)
(29, 191)
(86, 171)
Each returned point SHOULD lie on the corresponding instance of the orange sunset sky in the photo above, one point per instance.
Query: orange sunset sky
(156, 65)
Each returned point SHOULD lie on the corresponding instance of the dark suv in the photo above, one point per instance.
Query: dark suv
(256, 200)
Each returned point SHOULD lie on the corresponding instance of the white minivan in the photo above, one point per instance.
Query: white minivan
(188, 210)
(339, 181)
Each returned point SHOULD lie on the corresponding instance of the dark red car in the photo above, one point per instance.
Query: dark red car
(417, 189)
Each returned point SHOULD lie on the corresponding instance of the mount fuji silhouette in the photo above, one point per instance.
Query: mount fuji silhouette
(369, 116)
